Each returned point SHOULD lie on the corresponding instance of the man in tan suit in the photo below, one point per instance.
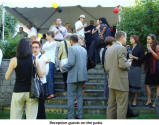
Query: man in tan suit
(117, 66)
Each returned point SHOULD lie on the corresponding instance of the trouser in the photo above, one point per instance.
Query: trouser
(41, 107)
(20, 102)
(117, 104)
(74, 92)
(94, 50)
(157, 107)
(106, 89)
(50, 80)
(65, 79)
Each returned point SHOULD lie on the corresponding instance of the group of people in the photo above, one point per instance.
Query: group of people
(73, 54)
(123, 72)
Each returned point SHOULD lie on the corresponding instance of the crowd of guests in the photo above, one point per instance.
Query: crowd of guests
(60, 50)
(123, 71)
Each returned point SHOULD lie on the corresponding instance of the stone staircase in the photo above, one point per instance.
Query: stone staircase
(94, 101)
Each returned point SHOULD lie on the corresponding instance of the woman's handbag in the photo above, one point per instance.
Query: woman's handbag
(37, 90)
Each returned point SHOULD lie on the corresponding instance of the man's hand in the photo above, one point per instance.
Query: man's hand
(93, 31)
(57, 31)
(85, 25)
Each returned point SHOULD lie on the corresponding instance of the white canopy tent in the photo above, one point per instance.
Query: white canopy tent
(41, 14)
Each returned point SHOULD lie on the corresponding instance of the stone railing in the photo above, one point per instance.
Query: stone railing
(6, 86)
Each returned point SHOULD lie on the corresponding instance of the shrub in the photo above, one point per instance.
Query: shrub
(9, 47)
(141, 19)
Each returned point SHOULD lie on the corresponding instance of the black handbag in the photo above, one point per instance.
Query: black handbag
(37, 90)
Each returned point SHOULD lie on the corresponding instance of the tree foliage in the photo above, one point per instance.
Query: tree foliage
(141, 19)
(9, 26)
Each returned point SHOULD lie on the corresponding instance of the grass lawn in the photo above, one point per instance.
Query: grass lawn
(4, 114)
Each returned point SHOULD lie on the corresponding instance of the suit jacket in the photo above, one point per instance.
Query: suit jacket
(77, 64)
(117, 67)
(62, 50)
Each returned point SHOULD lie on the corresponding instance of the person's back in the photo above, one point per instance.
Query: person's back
(117, 66)
(77, 76)
(23, 74)
(115, 69)
(81, 62)
(23, 66)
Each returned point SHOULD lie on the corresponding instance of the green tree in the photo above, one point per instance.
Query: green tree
(141, 19)
(9, 26)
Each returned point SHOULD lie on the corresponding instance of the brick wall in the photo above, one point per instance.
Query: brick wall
(6, 86)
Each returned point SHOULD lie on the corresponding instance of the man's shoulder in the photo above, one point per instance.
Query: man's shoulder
(63, 27)
(76, 47)
(78, 22)
(121, 48)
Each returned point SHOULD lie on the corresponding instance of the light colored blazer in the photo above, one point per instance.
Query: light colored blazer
(77, 64)
(117, 67)
(62, 50)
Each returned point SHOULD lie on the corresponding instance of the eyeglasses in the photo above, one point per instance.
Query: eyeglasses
(35, 47)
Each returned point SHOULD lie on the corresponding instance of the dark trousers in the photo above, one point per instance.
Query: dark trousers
(65, 79)
(157, 107)
(41, 107)
(94, 50)
(50, 79)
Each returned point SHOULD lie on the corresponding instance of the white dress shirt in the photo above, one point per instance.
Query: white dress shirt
(78, 25)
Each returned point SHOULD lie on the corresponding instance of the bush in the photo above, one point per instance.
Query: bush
(9, 47)
(141, 19)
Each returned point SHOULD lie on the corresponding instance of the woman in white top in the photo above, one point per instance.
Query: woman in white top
(49, 49)
(43, 62)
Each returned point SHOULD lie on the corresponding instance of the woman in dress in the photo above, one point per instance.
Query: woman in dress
(151, 67)
(49, 50)
(136, 54)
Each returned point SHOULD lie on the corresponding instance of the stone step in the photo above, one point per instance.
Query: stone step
(94, 110)
(88, 101)
(88, 85)
(96, 92)
(89, 77)
(92, 78)
(90, 73)
(100, 101)
(99, 66)
(87, 92)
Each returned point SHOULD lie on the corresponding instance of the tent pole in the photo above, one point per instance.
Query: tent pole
(3, 21)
